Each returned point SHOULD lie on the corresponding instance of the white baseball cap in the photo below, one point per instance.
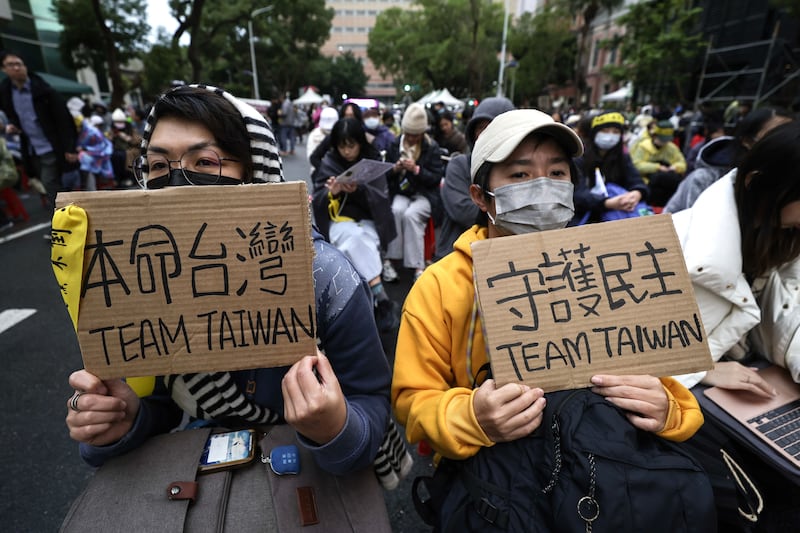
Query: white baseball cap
(327, 118)
(503, 134)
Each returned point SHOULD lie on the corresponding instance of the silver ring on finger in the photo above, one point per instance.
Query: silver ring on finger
(73, 402)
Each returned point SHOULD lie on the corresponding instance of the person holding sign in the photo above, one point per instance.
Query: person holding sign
(356, 214)
(440, 392)
(336, 399)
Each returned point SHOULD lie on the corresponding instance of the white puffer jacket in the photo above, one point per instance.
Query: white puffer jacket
(709, 234)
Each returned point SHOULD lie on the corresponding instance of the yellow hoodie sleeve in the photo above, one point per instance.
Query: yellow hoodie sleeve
(430, 395)
(684, 417)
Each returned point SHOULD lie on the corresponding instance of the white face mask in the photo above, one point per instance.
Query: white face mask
(371, 123)
(534, 205)
(606, 141)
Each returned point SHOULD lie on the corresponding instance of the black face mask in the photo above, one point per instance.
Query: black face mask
(178, 178)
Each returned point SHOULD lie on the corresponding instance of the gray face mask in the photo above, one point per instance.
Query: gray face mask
(534, 205)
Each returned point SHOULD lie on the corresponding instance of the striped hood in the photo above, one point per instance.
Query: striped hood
(267, 165)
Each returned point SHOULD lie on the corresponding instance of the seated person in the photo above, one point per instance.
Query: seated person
(438, 390)
(447, 136)
(720, 155)
(606, 157)
(660, 162)
(742, 249)
(336, 399)
(357, 218)
(414, 184)
(378, 135)
(459, 212)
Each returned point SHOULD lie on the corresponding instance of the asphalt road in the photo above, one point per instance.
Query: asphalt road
(41, 471)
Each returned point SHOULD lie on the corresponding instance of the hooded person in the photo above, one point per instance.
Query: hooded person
(460, 211)
(721, 154)
(336, 399)
(522, 179)
(714, 159)
(660, 162)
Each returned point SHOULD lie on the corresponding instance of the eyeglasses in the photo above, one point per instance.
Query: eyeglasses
(199, 167)
(13, 64)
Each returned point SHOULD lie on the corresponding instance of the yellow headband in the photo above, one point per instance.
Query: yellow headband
(608, 118)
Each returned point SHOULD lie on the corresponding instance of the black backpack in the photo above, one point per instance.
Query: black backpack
(586, 468)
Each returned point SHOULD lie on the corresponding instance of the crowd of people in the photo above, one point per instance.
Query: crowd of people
(730, 183)
(61, 146)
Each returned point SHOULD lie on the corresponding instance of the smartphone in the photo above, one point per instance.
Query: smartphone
(228, 450)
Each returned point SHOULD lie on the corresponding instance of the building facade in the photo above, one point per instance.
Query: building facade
(30, 28)
(352, 23)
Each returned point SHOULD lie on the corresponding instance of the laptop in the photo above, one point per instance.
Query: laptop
(775, 421)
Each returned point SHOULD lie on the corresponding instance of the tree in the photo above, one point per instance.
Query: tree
(659, 47)
(290, 35)
(544, 48)
(338, 75)
(586, 12)
(162, 64)
(449, 44)
(103, 35)
(348, 74)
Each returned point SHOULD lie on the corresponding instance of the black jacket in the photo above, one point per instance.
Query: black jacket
(595, 205)
(53, 116)
(429, 179)
(370, 201)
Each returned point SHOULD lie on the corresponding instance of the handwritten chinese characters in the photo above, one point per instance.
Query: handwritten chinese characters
(173, 282)
(562, 306)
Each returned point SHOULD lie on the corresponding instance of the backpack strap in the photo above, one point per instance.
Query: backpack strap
(482, 506)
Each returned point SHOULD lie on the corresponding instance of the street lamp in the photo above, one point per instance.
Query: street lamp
(255, 12)
(503, 51)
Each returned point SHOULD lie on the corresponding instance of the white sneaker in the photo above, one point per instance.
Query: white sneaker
(389, 273)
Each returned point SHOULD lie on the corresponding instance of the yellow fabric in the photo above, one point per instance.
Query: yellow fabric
(646, 157)
(142, 386)
(70, 225)
(334, 208)
(431, 391)
(66, 255)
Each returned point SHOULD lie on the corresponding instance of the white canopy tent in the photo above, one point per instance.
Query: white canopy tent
(442, 95)
(623, 93)
(308, 97)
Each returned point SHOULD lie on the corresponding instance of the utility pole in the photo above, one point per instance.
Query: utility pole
(503, 51)
(255, 12)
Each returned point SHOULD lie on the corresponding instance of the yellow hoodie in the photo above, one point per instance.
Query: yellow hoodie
(434, 378)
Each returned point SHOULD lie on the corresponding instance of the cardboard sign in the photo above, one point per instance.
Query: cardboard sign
(191, 279)
(364, 171)
(613, 298)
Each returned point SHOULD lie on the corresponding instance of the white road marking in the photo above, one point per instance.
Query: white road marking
(11, 317)
(17, 235)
